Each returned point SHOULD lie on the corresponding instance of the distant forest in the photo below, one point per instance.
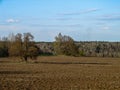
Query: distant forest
(24, 46)
(88, 49)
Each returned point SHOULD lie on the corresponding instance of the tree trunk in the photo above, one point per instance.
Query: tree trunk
(25, 58)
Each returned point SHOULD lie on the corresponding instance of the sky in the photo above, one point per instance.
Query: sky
(83, 20)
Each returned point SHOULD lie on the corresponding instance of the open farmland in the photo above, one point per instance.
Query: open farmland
(60, 73)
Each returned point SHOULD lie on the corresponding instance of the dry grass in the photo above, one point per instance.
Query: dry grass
(60, 73)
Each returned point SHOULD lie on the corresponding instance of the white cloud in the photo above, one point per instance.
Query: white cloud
(56, 25)
(105, 28)
(90, 10)
(112, 17)
(13, 28)
(12, 21)
(82, 12)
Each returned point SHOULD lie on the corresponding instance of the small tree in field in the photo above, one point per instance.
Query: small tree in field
(23, 46)
(65, 45)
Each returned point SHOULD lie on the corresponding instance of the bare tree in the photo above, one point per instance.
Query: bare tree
(23, 46)
(65, 45)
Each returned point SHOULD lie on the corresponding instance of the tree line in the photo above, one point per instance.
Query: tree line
(24, 47)
(65, 45)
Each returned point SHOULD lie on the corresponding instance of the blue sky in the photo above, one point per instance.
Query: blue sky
(83, 20)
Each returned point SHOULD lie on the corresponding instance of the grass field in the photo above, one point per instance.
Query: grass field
(60, 73)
